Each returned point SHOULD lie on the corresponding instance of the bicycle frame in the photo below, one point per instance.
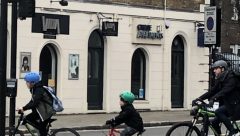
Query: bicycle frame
(31, 129)
(113, 131)
(202, 111)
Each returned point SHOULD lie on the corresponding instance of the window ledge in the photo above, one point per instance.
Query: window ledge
(141, 102)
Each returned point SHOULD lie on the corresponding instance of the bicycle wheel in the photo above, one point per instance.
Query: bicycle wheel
(183, 129)
(64, 131)
(18, 133)
(208, 132)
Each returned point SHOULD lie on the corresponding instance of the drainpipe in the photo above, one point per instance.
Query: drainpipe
(165, 9)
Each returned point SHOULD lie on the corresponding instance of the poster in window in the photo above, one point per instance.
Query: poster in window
(25, 63)
(73, 67)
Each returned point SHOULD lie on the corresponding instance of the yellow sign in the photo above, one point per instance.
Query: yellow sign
(51, 82)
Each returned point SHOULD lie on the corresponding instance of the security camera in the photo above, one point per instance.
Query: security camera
(63, 3)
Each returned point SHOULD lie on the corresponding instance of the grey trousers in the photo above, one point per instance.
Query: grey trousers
(128, 131)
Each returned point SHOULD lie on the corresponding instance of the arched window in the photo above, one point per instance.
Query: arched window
(138, 75)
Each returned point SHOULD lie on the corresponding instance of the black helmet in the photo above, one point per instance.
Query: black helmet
(220, 64)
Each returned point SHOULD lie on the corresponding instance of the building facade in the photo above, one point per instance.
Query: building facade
(230, 28)
(89, 52)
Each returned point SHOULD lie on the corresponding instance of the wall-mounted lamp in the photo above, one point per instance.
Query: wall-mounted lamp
(167, 23)
(61, 2)
(199, 24)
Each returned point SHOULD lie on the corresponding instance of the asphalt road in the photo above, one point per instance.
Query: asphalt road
(150, 131)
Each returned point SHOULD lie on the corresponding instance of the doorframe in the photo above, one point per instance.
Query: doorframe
(183, 36)
(103, 69)
(55, 46)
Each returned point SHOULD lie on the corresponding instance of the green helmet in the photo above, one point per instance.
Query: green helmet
(127, 96)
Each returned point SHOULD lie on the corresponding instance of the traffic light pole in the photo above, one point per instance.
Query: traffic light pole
(13, 65)
(3, 54)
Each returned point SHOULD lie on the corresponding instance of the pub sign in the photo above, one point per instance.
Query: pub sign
(110, 28)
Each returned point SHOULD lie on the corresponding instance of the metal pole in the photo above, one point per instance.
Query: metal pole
(13, 65)
(3, 54)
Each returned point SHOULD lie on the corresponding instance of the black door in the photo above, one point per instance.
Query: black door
(48, 66)
(95, 71)
(177, 73)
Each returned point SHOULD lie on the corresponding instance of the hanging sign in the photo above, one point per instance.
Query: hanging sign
(110, 28)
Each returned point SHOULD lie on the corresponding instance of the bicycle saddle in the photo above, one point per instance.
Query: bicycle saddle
(52, 120)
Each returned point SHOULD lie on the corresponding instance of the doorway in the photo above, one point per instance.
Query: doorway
(177, 73)
(48, 66)
(95, 71)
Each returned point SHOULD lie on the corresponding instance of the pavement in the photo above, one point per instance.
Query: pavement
(93, 121)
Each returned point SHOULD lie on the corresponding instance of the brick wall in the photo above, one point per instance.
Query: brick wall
(230, 29)
(188, 5)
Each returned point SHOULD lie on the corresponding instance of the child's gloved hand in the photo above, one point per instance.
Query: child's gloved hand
(109, 122)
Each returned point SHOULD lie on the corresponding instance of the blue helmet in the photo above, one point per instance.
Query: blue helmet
(32, 77)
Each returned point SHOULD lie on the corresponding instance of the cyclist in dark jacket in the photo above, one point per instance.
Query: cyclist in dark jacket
(40, 104)
(226, 90)
(128, 115)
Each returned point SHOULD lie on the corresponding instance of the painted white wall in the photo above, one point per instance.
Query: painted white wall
(117, 57)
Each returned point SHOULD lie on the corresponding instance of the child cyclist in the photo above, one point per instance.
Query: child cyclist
(128, 115)
(40, 104)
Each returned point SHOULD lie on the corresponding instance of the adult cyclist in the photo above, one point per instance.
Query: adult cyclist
(226, 90)
(40, 104)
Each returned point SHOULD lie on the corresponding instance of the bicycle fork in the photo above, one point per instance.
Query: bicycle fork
(190, 129)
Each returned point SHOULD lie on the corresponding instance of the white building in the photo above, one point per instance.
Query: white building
(89, 70)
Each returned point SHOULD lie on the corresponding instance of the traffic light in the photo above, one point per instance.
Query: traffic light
(26, 8)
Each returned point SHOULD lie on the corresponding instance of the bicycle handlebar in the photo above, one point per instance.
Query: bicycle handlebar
(202, 103)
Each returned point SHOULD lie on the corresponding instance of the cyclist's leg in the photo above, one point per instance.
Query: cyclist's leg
(236, 115)
(128, 131)
(216, 125)
(223, 116)
(33, 119)
(43, 127)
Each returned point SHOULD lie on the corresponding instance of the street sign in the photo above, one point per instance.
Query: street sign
(210, 26)
(210, 38)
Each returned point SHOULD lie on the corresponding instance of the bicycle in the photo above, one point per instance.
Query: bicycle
(113, 132)
(199, 110)
(34, 132)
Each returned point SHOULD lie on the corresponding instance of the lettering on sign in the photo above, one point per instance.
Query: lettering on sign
(110, 26)
(144, 32)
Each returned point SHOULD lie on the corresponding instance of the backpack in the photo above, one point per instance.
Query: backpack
(57, 103)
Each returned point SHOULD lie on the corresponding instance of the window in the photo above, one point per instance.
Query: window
(235, 49)
(138, 75)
